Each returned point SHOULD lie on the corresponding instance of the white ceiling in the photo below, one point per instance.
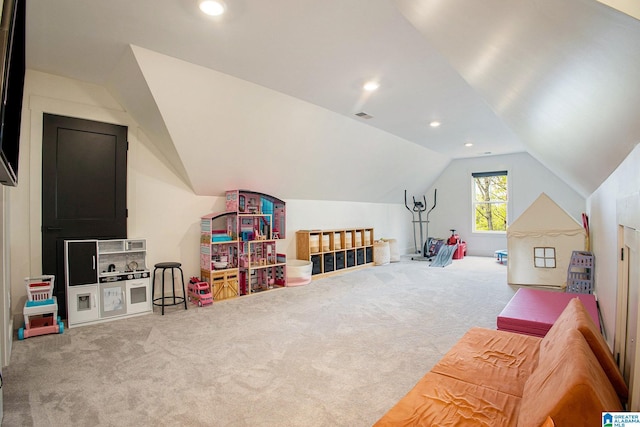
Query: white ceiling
(281, 80)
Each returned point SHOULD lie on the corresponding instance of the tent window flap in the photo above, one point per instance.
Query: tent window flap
(544, 257)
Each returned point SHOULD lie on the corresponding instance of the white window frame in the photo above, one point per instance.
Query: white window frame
(475, 175)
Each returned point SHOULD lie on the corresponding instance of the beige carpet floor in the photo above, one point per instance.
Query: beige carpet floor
(337, 352)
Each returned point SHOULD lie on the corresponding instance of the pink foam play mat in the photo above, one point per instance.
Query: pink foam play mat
(533, 311)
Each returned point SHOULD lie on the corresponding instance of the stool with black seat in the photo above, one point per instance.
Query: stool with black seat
(161, 301)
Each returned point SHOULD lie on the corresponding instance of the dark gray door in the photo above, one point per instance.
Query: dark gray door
(84, 188)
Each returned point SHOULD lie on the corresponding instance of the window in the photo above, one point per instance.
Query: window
(490, 201)
(544, 257)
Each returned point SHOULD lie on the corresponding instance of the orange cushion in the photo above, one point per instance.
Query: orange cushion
(568, 385)
(576, 316)
(495, 359)
(548, 423)
(438, 400)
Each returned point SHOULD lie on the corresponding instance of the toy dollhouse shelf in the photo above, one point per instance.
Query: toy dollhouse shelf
(238, 254)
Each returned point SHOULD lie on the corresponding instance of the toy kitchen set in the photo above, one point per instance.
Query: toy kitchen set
(105, 280)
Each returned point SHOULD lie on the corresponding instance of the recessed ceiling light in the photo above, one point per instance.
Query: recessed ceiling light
(434, 124)
(212, 7)
(371, 86)
(468, 144)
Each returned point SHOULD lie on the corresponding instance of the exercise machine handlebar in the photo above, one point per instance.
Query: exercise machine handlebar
(417, 206)
(435, 198)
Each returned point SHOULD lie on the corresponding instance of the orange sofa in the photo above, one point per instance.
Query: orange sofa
(496, 378)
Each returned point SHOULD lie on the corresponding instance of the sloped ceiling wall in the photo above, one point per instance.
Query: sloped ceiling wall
(562, 75)
(279, 86)
(230, 133)
(128, 85)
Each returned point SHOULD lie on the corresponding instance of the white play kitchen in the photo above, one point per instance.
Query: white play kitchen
(106, 279)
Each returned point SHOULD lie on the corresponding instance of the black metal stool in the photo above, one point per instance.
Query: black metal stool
(161, 301)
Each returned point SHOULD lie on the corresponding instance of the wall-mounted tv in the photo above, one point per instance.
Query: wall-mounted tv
(12, 69)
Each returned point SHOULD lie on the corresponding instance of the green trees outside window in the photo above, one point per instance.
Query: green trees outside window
(490, 201)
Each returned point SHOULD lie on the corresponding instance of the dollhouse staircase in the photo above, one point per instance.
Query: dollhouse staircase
(580, 272)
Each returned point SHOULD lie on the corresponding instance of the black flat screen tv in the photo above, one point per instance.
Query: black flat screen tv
(12, 69)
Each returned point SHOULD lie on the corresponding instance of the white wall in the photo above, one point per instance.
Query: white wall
(216, 116)
(527, 178)
(623, 182)
(162, 208)
(389, 221)
(630, 7)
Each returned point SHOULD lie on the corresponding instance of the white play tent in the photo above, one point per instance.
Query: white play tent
(540, 242)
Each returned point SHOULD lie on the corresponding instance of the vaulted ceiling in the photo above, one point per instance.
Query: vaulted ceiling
(265, 96)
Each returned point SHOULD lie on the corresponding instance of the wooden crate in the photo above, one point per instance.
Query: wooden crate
(224, 283)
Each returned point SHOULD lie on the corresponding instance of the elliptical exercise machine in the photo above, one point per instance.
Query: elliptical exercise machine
(418, 208)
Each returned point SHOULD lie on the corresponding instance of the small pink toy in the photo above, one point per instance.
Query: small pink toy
(199, 292)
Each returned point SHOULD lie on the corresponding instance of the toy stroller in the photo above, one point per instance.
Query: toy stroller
(41, 309)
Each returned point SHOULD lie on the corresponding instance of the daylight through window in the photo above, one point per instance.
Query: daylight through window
(490, 201)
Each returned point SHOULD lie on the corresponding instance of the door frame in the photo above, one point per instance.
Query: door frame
(628, 216)
(629, 241)
(619, 343)
(38, 106)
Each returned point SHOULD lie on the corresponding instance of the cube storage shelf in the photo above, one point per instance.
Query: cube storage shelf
(238, 247)
(335, 251)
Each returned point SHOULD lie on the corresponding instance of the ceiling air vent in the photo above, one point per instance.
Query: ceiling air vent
(364, 115)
